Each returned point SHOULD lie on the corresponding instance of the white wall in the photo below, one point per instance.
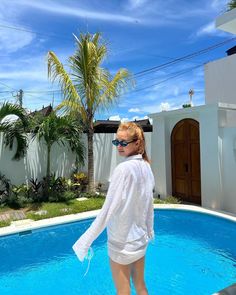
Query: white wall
(220, 83)
(163, 124)
(217, 152)
(106, 157)
(229, 169)
(227, 21)
(211, 157)
(33, 165)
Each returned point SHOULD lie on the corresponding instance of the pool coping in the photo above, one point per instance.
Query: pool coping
(29, 224)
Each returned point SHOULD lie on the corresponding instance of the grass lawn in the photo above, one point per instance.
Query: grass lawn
(40, 211)
(49, 210)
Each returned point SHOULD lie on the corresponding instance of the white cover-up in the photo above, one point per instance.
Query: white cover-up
(127, 213)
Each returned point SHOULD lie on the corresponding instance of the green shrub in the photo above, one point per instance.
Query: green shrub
(55, 196)
(186, 105)
(68, 195)
(17, 201)
(19, 196)
(35, 190)
(80, 181)
(5, 186)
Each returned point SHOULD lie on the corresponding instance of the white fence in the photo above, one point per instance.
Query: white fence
(33, 165)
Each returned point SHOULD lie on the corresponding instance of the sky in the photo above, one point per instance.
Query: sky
(145, 37)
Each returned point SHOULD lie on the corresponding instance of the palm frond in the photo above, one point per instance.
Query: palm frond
(231, 5)
(56, 71)
(60, 129)
(13, 109)
(14, 133)
(112, 89)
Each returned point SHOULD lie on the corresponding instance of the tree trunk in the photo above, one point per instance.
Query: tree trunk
(47, 179)
(91, 187)
(48, 161)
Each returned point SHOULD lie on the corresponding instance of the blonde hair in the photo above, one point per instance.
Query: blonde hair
(135, 132)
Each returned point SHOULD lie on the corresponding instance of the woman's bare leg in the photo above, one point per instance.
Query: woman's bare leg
(137, 272)
(121, 276)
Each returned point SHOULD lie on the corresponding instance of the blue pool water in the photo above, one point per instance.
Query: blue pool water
(193, 253)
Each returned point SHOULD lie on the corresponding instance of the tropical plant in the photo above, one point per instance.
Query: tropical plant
(35, 189)
(88, 87)
(19, 196)
(231, 5)
(55, 129)
(14, 129)
(5, 186)
(186, 105)
(59, 189)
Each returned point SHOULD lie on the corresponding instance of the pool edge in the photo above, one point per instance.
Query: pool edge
(28, 224)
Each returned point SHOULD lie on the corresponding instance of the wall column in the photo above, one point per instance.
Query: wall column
(211, 158)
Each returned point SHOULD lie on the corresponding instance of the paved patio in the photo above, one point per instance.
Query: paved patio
(14, 215)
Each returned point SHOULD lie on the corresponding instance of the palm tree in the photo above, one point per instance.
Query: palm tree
(88, 87)
(14, 129)
(55, 129)
(231, 5)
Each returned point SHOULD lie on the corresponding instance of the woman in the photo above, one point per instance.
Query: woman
(127, 212)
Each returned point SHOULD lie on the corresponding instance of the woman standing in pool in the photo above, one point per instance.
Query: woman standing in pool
(127, 212)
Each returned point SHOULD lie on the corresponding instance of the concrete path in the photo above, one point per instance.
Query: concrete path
(12, 215)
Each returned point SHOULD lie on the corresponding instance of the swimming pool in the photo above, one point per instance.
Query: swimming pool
(193, 253)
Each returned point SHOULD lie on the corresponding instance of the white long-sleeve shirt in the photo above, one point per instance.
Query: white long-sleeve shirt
(127, 213)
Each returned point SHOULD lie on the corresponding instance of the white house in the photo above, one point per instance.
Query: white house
(194, 149)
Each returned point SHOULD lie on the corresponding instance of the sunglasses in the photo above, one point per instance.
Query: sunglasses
(122, 143)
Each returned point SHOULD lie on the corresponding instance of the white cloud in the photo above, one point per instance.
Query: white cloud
(210, 29)
(165, 106)
(176, 91)
(31, 74)
(137, 118)
(12, 40)
(115, 118)
(170, 95)
(137, 12)
(219, 4)
(126, 119)
(56, 8)
(134, 110)
(207, 29)
(133, 4)
(118, 118)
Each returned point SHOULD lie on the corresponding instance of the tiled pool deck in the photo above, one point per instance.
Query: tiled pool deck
(28, 224)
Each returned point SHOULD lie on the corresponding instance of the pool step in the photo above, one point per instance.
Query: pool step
(231, 290)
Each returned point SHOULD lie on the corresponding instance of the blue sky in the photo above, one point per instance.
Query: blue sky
(140, 34)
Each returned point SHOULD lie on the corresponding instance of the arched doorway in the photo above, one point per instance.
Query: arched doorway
(185, 161)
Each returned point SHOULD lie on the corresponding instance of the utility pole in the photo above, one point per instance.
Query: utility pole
(19, 97)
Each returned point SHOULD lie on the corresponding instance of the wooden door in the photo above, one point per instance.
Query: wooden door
(185, 161)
